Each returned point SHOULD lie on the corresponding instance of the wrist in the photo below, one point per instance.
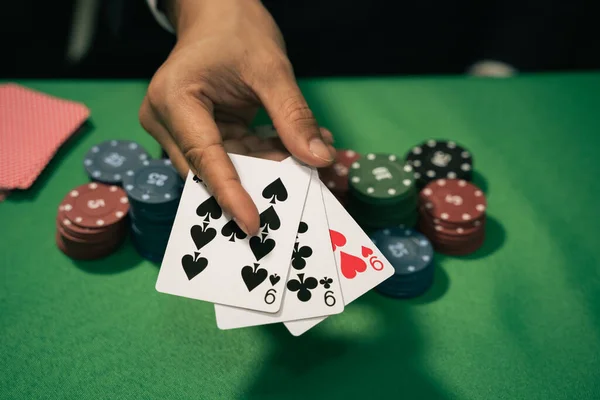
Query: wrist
(198, 15)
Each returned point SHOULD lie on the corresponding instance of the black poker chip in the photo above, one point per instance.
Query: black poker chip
(111, 161)
(437, 159)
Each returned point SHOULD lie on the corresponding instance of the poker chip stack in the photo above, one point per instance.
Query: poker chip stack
(92, 221)
(452, 216)
(382, 192)
(440, 159)
(154, 190)
(109, 162)
(335, 177)
(411, 255)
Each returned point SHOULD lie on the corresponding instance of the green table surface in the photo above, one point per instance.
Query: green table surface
(520, 319)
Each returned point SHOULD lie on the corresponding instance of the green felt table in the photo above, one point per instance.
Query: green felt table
(520, 319)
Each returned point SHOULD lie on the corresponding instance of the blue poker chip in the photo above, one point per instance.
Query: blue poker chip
(111, 161)
(407, 292)
(155, 183)
(407, 250)
(146, 252)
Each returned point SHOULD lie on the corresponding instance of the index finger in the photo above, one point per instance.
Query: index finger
(195, 132)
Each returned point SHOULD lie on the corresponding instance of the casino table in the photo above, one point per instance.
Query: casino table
(519, 319)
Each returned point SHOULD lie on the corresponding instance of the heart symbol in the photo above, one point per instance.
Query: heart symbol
(253, 276)
(337, 239)
(202, 237)
(351, 265)
(366, 252)
(274, 279)
(193, 267)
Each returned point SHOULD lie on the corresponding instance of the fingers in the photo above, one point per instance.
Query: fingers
(327, 136)
(196, 134)
(152, 125)
(292, 118)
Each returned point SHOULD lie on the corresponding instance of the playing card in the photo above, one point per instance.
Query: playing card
(33, 126)
(313, 287)
(361, 266)
(210, 258)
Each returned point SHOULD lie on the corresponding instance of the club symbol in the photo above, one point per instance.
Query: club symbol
(326, 282)
(302, 228)
(303, 287)
(196, 179)
(299, 255)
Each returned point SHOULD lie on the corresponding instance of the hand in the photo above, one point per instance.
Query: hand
(228, 61)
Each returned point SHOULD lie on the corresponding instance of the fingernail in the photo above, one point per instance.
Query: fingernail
(241, 225)
(320, 150)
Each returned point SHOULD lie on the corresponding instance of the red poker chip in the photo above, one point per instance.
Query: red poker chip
(106, 241)
(444, 228)
(453, 200)
(436, 237)
(335, 177)
(459, 250)
(95, 205)
(89, 235)
(81, 251)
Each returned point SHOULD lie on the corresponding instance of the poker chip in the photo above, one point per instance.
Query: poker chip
(154, 183)
(154, 190)
(382, 192)
(411, 255)
(440, 159)
(111, 161)
(335, 177)
(453, 216)
(453, 201)
(381, 176)
(91, 222)
(95, 205)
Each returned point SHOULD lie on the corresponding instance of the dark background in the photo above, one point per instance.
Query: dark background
(323, 37)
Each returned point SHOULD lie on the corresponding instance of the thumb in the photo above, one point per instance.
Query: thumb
(293, 119)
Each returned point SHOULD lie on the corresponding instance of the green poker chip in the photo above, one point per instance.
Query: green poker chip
(381, 177)
(382, 192)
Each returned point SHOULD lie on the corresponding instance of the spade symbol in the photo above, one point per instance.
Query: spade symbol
(253, 276)
(269, 219)
(209, 209)
(232, 231)
(303, 287)
(261, 247)
(196, 179)
(193, 265)
(275, 191)
(274, 279)
(202, 236)
(299, 255)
